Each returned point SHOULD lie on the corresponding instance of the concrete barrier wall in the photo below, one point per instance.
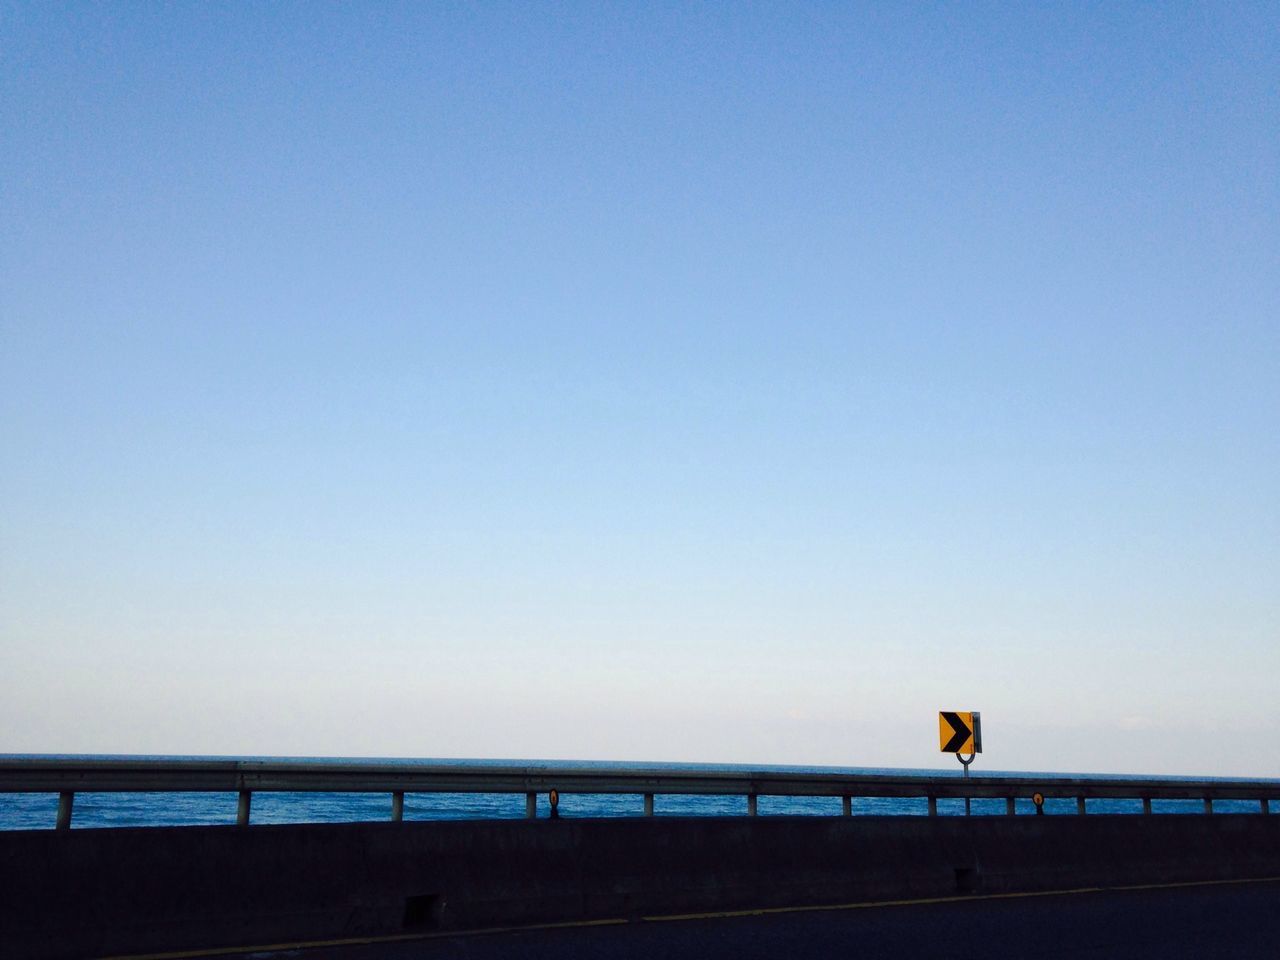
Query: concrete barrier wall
(85, 893)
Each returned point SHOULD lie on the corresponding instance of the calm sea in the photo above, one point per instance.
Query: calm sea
(38, 811)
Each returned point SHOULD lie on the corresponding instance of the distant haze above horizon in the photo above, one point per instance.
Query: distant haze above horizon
(730, 384)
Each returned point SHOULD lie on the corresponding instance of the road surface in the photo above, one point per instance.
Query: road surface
(1240, 921)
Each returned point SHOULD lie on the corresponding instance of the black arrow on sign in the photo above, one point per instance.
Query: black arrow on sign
(962, 732)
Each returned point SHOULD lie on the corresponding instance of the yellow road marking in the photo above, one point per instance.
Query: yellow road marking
(964, 898)
(360, 941)
(673, 917)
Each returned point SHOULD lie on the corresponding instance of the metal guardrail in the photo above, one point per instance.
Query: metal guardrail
(66, 777)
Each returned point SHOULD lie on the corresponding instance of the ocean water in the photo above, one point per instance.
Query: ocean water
(38, 811)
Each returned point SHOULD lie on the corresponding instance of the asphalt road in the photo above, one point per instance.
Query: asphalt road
(1237, 921)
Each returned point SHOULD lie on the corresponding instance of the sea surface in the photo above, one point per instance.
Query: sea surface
(37, 811)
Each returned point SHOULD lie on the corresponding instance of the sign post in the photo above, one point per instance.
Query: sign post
(960, 732)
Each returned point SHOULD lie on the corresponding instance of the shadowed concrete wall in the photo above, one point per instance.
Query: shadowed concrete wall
(97, 892)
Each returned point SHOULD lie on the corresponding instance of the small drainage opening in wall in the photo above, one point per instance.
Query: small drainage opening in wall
(966, 880)
(422, 911)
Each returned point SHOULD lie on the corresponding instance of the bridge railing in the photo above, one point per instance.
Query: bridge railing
(67, 777)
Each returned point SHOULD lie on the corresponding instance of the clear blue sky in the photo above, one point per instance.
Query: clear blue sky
(642, 381)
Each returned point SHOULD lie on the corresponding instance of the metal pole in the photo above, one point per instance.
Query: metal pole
(242, 808)
(397, 805)
(933, 806)
(1146, 804)
(846, 806)
(1266, 805)
(648, 804)
(965, 764)
(751, 804)
(65, 801)
(1080, 805)
(530, 805)
(1208, 804)
(1008, 806)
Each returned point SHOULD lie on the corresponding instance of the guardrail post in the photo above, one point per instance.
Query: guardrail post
(530, 805)
(933, 806)
(846, 806)
(1266, 805)
(1008, 806)
(751, 804)
(65, 801)
(648, 804)
(1208, 804)
(397, 805)
(242, 808)
(1146, 804)
(1080, 805)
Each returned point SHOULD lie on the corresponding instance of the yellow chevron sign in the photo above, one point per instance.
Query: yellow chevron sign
(959, 732)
